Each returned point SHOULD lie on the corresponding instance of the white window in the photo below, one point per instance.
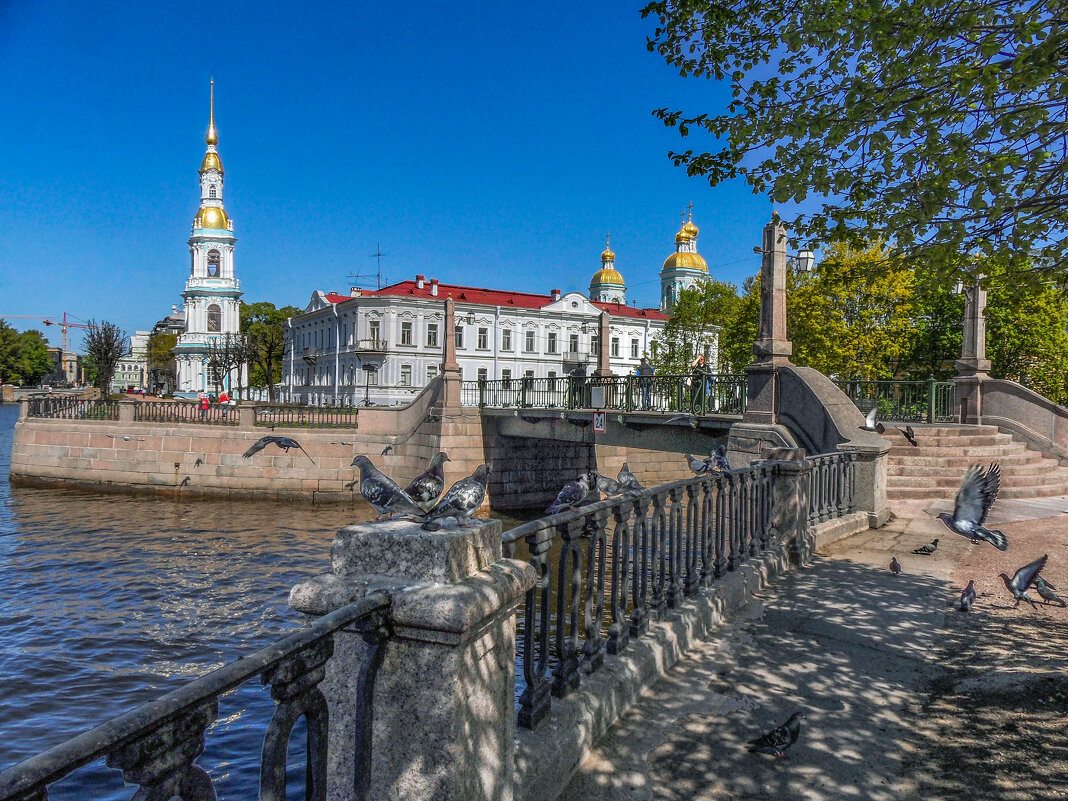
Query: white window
(634, 348)
(529, 373)
(528, 342)
(551, 347)
(595, 344)
(506, 376)
(483, 339)
(615, 346)
(406, 333)
(431, 372)
(506, 339)
(374, 329)
(214, 318)
(482, 373)
(459, 336)
(372, 378)
(406, 375)
(573, 344)
(432, 335)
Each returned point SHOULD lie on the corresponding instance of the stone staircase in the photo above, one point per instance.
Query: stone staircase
(935, 467)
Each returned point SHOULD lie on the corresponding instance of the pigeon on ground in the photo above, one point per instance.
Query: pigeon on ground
(895, 566)
(1022, 579)
(127, 437)
(285, 443)
(779, 739)
(870, 424)
(718, 459)
(686, 418)
(909, 434)
(571, 494)
(426, 488)
(927, 550)
(699, 466)
(627, 478)
(967, 597)
(1045, 589)
(382, 492)
(461, 501)
(976, 495)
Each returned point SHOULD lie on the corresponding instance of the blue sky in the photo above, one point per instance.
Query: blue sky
(489, 144)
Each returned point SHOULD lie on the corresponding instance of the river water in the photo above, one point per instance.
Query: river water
(108, 601)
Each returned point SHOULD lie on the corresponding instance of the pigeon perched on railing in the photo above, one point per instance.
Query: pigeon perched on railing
(976, 495)
(718, 458)
(609, 486)
(967, 597)
(427, 487)
(461, 501)
(778, 739)
(1045, 589)
(571, 494)
(909, 434)
(870, 424)
(895, 566)
(927, 550)
(382, 492)
(627, 478)
(1022, 579)
(285, 443)
(698, 466)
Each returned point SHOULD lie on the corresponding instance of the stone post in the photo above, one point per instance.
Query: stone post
(789, 510)
(126, 410)
(24, 408)
(603, 335)
(972, 366)
(443, 717)
(871, 467)
(771, 348)
(450, 368)
(246, 417)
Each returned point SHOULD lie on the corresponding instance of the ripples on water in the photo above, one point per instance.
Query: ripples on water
(109, 601)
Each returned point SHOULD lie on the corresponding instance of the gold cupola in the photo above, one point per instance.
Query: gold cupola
(607, 274)
(211, 156)
(690, 229)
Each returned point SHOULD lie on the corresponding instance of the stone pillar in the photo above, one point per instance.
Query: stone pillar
(771, 348)
(246, 417)
(126, 410)
(871, 466)
(603, 340)
(789, 509)
(450, 368)
(972, 366)
(24, 408)
(443, 705)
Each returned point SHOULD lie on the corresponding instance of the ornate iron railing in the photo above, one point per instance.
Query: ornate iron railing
(606, 569)
(832, 490)
(184, 412)
(72, 409)
(905, 401)
(156, 745)
(307, 416)
(708, 393)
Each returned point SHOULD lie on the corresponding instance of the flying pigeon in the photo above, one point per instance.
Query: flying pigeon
(382, 492)
(967, 597)
(285, 443)
(870, 424)
(895, 566)
(779, 739)
(927, 550)
(699, 466)
(461, 501)
(909, 434)
(718, 459)
(127, 437)
(685, 417)
(571, 494)
(1022, 579)
(627, 479)
(426, 488)
(1045, 589)
(976, 495)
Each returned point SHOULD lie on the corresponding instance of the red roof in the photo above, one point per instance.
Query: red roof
(492, 297)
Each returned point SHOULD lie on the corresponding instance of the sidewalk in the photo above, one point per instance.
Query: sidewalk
(855, 647)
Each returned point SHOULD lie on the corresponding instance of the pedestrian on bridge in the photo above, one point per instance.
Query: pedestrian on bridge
(645, 382)
(698, 379)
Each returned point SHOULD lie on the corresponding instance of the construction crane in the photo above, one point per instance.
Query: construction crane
(63, 325)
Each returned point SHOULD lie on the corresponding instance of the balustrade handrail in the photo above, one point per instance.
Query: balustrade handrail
(49, 766)
(904, 400)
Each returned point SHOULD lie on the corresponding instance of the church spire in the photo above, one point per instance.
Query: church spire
(212, 138)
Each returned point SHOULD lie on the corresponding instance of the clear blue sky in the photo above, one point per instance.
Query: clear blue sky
(489, 144)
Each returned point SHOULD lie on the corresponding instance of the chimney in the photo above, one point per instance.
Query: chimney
(420, 281)
(433, 287)
(554, 294)
(355, 292)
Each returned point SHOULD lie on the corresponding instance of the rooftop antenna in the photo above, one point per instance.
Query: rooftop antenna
(378, 254)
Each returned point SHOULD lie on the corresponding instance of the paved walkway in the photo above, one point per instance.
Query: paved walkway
(845, 641)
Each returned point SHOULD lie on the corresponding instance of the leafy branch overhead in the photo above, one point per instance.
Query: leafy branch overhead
(940, 127)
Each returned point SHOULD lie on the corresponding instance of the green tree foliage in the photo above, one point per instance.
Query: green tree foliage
(264, 329)
(693, 326)
(934, 125)
(935, 343)
(161, 364)
(105, 344)
(24, 357)
(1026, 339)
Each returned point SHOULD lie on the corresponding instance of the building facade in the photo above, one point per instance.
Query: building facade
(132, 370)
(212, 292)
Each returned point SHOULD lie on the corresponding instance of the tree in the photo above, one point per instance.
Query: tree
(268, 338)
(24, 357)
(226, 353)
(693, 326)
(935, 126)
(938, 326)
(161, 363)
(1026, 338)
(105, 344)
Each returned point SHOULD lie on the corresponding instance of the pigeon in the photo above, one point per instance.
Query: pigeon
(285, 443)
(382, 492)
(627, 479)
(779, 739)
(198, 462)
(609, 486)
(699, 466)
(967, 597)
(1022, 579)
(976, 495)
(909, 434)
(1045, 589)
(895, 566)
(718, 459)
(870, 424)
(686, 417)
(387, 450)
(571, 494)
(927, 550)
(127, 437)
(426, 488)
(461, 501)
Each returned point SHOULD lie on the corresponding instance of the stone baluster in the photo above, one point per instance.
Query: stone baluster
(790, 505)
(566, 677)
(622, 539)
(643, 545)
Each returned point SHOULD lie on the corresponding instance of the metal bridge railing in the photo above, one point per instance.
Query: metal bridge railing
(184, 412)
(308, 416)
(905, 401)
(73, 409)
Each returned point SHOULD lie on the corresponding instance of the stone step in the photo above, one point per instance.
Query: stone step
(1005, 460)
(1038, 467)
(934, 493)
(940, 430)
(970, 438)
(963, 450)
(954, 481)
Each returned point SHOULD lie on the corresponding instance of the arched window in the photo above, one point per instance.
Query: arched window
(211, 191)
(213, 263)
(214, 318)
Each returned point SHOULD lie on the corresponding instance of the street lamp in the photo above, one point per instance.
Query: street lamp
(803, 261)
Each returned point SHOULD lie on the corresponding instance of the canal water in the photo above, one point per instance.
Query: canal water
(108, 601)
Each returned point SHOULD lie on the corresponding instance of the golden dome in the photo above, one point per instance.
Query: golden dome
(690, 229)
(607, 275)
(211, 162)
(682, 237)
(210, 217)
(607, 255)
(686, 261)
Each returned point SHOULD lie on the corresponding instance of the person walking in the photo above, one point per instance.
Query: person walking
(204, 403)
(645, 382)
(698, 380)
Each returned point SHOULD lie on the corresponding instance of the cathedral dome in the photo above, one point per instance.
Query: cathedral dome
(211, 217)
(607, 275)
(681, 238)
(690, 229)
(607, 255)
(685, 261)
(211, 162)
